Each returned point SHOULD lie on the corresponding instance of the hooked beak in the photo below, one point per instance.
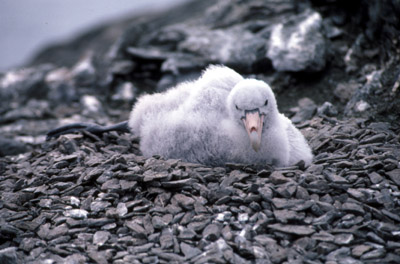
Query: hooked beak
(253, 123)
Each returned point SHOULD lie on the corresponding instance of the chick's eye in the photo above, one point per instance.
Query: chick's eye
(266, 102)
(237, 108)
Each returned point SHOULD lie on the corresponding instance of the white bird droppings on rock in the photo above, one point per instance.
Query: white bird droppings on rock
(298, 45)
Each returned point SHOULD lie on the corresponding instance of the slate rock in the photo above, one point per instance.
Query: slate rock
(9, 256)
(292, 204)
(98, 206)
(338, 254)
(374, 237)
(75, 258)
(378, 253)
(183, 201)
(150, 259)
(375, 177)
(325, 248)
(122, 209)
(359, 250)
(150, 175)
(99, 256)
(76, 213)
(127, 185)
(27, 244)
(323, 236)
(277, 177)
(243, 217)
(9, 146)
(125, 93)
(302, 193)
(91, 105)
(277, 253)
(26, 83)
(359, 104)
(344, 239)
(138, 230)
(211, 232)
(141, 249)
(84, 72)
(230, 13)
(266, 193)
(307, 108)
(333, 177)
(48, 233)
(166, 239)
(287, 190)
(189, 251)
(109, 185)
(344, 91)
(177, 184)
(285, 216)
(353, 208)
(394, 175)
(233, 47)
(293, 229)
(234, 177)
(159, 222)
(101, 237)
(327, 109)
(170, 257)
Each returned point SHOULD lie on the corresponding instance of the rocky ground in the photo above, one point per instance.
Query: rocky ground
(82, 198)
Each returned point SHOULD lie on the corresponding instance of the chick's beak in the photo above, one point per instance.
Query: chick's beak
(253, 123)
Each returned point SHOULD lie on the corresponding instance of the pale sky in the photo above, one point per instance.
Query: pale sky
(27, 25)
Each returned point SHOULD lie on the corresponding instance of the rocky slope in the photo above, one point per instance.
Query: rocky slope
(89, 199)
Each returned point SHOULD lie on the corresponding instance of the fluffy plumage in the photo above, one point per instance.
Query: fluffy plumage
(219, 118)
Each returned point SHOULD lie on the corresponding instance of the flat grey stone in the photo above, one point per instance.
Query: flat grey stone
(189, 251)
(394, 175)
(9, 255)
(353, 208)
(136, 228)
(158, 222)
(186, 234)
(284, 216)
(343, 239)
(122, 209)
(76, 213)
(141, 249)
(183, 201)
(212, 232)
(166, 239)
(301, 230)
(101, 237)
(375, 177)
(323, 236)
(359, 250)
(98, 206)
(378, 253)
(292, 204)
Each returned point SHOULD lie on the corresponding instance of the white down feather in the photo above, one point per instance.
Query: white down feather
(201, 121)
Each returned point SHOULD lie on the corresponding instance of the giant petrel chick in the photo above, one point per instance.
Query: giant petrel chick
(220, 117)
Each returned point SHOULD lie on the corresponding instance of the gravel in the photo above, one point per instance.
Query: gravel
(101, 205)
